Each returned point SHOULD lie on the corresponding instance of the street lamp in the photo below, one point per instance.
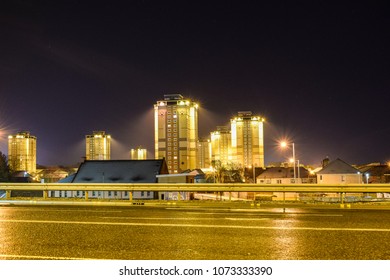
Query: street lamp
(367, 176)
(284, 145)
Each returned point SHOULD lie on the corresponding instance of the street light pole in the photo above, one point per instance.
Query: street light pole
(293, 147)
(254, 174)
(284, 144)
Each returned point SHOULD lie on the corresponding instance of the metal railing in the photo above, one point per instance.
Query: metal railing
(201, 187)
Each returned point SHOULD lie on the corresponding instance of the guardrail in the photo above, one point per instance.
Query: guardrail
(201, 187)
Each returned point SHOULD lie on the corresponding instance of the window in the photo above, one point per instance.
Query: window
(142, 193)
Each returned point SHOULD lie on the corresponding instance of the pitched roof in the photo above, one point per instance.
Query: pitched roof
(67, 179)
(120, 171)
(338, 166)
(283, 172)
(376, 170)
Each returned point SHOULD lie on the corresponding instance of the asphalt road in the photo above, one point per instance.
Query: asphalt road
(193, 233)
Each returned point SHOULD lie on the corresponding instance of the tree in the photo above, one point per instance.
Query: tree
(5, 171)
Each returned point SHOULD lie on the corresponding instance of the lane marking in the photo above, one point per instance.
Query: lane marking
(189, 219)
(63, 210)
(41, 257)
(199, 226)
(272, 214)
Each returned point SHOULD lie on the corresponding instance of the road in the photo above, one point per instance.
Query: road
(193, 233)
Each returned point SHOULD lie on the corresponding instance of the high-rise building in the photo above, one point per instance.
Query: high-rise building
(176, 132)
(98, 146)
(138, 153)
(221, 149)
(203, 153)
(247, 139)
(22, 152)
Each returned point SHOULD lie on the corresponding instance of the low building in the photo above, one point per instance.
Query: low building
(285, 176)
(339, 172)
(114, 172)
(375, 173)
(184, 178)
(53, 174)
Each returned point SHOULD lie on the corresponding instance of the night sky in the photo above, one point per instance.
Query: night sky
(318, 73)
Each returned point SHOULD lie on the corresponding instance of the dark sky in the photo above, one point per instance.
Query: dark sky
(319, 73)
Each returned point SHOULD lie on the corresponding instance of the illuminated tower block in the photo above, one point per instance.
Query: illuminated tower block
(98, 146)
(22, 152)
(248, 139)
(221, 149)
(176, 132)
(138, 153)
(204, 153)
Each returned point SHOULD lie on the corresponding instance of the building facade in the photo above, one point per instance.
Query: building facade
(22, 152)
(339, 172)
(221, 149)
(203, 153)
(176, 132)
(98, 146)
(247, 139)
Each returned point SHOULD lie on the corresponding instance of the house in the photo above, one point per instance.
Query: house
(375, 173)
(339, 172)
(53, 174)
(283, 175)
(114, 172)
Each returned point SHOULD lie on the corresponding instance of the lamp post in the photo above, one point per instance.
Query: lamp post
(254, 173)
(283, 145)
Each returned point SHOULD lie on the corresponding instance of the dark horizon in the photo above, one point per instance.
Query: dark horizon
(317, 72)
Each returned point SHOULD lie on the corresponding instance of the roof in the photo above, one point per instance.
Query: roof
(283, 172)
(120, 171)
(376, 170)
(67, 179)
(338, 166)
